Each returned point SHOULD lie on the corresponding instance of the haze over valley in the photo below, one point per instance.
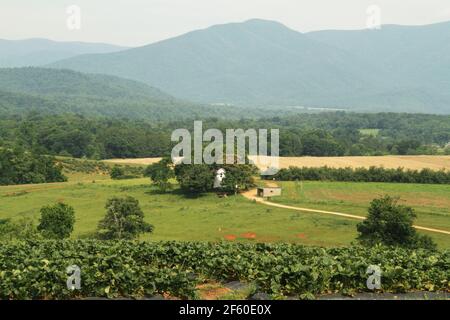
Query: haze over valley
(263, 63)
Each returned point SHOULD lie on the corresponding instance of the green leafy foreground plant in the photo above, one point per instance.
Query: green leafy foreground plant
(37, 269)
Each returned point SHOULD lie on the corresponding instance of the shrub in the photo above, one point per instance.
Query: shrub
(160, 173)
(127, 172)
(117, 172)
(124, 219)
(84, 165)
(391, 224)
(57, 221)
(23, 229)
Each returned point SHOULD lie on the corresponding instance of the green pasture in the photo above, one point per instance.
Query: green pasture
(233, 218)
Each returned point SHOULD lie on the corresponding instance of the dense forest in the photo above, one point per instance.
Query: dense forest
(323, 134)
(78, 136)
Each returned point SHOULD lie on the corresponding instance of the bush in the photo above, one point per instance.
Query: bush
(23, 229)
(57, 221)
(117, 172)
(84, 166)
(160, 173)
(391, 224)
(124, 219)
(127, 172)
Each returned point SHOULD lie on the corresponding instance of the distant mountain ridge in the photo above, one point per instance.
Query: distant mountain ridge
(65, 91)
(67, 83)
(38, 52)
(415, 60)
(260, 62)
(52, 91)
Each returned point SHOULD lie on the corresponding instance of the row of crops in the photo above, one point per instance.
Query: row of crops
(37, 269)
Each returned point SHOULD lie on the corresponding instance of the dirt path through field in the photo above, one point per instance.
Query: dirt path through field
(251, 195)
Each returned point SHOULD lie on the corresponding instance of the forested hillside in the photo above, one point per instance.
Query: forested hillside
(51, 91)
(65, 91)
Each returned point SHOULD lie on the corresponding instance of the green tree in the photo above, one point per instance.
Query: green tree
(117, 172)
(161, 172)
(124, 219)
(199, 178)
(195, 178)
(56, 221)
(238, 177)
(391, 224)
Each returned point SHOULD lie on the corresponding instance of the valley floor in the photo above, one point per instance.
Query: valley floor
(233, 218)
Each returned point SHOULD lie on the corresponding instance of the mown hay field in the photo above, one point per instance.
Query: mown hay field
(392, 162)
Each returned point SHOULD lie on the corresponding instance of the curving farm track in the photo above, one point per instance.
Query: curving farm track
(251, 195)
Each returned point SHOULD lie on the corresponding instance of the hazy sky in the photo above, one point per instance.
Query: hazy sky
(139, 22)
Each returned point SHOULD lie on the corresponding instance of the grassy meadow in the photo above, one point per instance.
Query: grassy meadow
(430, 202)
(233, 218)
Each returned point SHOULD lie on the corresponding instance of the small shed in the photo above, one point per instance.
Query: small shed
(267, 192)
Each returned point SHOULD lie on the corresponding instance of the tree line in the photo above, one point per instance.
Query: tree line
(20, 167)
(372, 174)
(325, 134)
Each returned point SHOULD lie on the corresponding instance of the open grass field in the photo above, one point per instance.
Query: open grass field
(176, 217)
(430, 202)
(210, 218)
(393, 162)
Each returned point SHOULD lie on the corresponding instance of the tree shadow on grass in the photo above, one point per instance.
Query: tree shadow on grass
(93, 235)
(154, 192)
(176, 192)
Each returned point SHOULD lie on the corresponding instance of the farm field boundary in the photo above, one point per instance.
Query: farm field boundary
(391, 162)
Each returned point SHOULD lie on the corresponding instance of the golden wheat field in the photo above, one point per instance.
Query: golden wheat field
(137, 161)
(407, 162)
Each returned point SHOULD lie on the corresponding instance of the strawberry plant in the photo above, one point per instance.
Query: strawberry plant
(37, 269)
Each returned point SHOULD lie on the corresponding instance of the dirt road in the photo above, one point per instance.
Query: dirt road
(251, 195)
